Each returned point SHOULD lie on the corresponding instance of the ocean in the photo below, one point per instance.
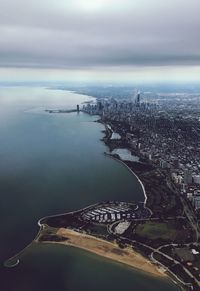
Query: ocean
(51, 164)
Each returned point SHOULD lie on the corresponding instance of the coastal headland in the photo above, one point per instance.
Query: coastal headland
(124, 232)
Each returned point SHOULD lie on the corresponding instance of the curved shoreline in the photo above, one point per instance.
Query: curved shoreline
(6, 264)
(110, 250)
(16, 258)
(65, 213)
(130, 170)
(123, 162)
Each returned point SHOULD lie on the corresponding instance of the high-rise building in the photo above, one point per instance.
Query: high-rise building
(138, 99)
(187, 176)
(196, 202)
(99, 106)
(196, 179)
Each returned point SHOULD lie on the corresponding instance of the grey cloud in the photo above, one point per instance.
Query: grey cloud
(36, 34)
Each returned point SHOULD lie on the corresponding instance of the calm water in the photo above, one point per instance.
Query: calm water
(49, 164)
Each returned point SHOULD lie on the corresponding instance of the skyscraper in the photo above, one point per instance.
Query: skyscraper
(138, 99)
(187, 176)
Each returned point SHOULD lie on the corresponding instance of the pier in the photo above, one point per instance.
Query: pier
(63, 110)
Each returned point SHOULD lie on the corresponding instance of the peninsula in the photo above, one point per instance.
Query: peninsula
(127, 233)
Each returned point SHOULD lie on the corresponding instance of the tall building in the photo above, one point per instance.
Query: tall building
(196, 179)
(99, 106)
(187, 176)
(196, 202)
(138, 99)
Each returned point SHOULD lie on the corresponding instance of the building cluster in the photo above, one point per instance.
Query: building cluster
(166, 132)
(115, 211)
(109, 213)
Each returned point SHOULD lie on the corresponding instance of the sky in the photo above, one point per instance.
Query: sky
(100, 40)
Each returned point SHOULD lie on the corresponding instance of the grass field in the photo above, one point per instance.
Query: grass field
(157, 230)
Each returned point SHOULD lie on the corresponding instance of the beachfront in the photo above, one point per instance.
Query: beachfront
(109, 250)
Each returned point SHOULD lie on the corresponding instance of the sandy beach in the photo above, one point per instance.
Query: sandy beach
(110, 250)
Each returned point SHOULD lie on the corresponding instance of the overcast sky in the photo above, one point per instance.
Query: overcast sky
(133, 39)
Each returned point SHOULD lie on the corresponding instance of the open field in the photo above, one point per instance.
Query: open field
(160, 230)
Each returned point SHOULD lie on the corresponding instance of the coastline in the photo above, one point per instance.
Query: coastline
(107, 137)
(161, 201)
(125, 257)
(130, 170)
(110, 250)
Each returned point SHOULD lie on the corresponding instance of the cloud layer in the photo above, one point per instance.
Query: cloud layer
(83, 34)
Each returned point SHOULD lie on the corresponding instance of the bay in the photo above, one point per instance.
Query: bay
(51, 164)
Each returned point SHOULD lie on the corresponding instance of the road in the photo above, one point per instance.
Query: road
(189, 212)
(169, 258)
